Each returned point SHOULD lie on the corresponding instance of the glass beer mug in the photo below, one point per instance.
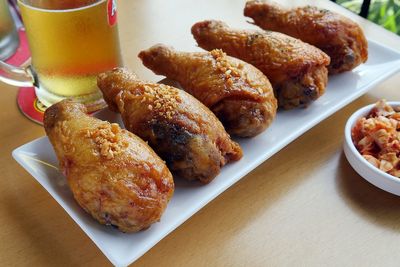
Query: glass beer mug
(71, 41)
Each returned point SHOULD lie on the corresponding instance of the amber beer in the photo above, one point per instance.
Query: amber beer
(71, 42)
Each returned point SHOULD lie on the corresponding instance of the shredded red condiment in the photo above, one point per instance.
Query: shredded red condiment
(377, 137)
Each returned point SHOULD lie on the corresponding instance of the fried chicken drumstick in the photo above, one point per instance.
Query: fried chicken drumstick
(239, 94)
(184, 132)
(113, 174)
(297, 70)
(341, 38)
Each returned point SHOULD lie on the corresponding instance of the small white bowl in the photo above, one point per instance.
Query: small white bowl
(365, 169)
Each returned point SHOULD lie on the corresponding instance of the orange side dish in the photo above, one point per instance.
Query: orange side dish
(377, 137)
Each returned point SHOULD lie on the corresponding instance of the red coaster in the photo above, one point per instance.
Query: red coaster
(27, 101)
(29, 105)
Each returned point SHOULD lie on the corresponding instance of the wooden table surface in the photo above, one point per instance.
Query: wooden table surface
(305, 206)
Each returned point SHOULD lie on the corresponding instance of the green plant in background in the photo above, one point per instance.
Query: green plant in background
(383, 12)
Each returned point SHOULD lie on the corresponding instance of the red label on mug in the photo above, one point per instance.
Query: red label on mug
(112, 12)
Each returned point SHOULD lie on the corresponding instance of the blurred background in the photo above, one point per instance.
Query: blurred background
(383, 12)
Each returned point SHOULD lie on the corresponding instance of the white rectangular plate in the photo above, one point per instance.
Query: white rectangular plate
(38, 158)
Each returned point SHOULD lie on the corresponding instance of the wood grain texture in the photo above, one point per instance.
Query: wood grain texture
(305, 206)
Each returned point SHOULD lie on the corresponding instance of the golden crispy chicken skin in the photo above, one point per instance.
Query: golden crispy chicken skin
(238, 93)
(341, 38)
(297, 70)
(113, 174)
(184, 132)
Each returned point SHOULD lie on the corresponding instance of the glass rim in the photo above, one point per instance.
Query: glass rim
(22, 2)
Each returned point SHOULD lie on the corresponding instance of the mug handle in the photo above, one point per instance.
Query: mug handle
(17, 76)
